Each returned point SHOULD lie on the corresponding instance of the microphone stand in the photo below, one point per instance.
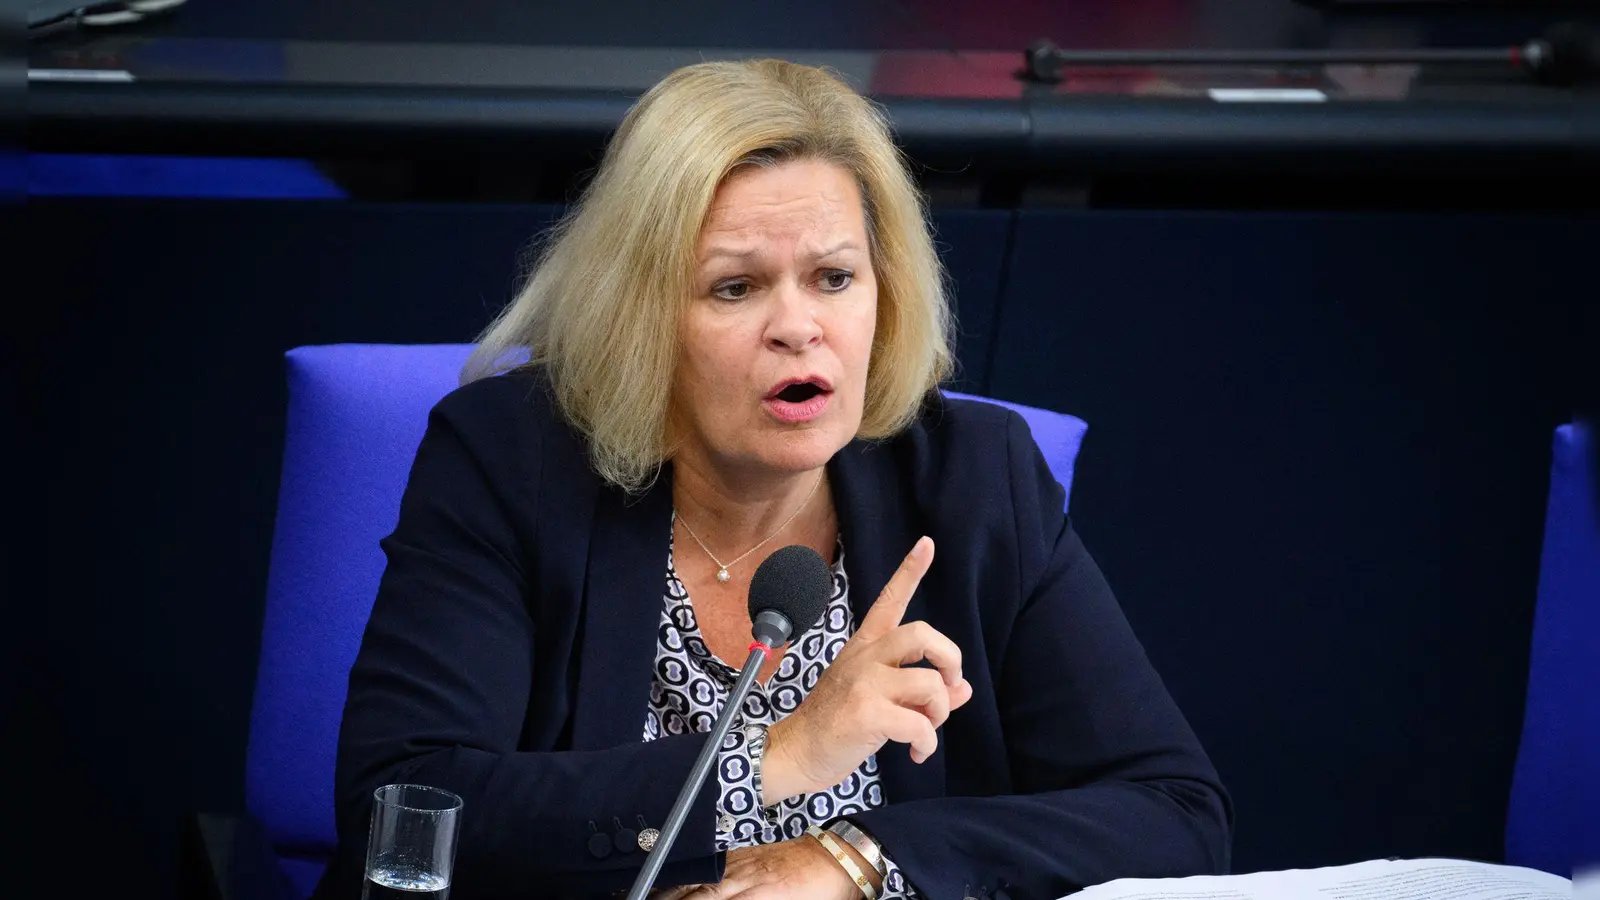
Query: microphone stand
(1564, 56)
(702, 767)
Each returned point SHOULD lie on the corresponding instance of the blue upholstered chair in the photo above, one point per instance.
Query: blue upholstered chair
(1554, 818)
(356, 415)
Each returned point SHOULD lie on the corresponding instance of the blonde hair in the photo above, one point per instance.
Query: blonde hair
(601, 309)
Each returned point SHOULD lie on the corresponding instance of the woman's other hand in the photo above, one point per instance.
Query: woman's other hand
(788, 870)
(869, 695)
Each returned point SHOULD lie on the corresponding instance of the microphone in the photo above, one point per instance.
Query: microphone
(1565, 55)
(787, 595)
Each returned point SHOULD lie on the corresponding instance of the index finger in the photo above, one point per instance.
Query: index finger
(890, 607)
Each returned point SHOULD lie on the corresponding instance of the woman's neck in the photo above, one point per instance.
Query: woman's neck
(733, 514)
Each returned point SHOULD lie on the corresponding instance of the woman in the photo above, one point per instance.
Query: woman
(736, 339)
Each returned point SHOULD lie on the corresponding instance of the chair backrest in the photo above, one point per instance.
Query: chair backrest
(1058, 435)
(356, 416)
(1552, 823)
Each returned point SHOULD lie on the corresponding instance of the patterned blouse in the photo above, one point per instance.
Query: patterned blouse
(690, 687)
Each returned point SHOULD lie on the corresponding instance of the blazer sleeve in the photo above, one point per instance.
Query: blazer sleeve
(441, 686)
(1109, 779)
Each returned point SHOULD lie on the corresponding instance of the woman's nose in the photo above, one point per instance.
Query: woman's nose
(793, 325)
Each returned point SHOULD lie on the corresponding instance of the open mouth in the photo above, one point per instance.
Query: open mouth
(799, 393)
(799, 401)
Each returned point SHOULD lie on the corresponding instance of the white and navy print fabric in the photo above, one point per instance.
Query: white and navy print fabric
(691, 686)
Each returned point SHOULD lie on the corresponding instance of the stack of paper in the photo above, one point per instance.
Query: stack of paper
(1410, 879)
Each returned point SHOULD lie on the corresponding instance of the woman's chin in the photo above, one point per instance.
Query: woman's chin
(802, 451)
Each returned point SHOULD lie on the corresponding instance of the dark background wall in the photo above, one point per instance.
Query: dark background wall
(1315, 474)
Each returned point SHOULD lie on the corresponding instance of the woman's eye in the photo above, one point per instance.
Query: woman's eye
(736, 290)
(837, 280)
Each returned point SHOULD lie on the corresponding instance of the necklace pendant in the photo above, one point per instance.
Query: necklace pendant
(722, 575)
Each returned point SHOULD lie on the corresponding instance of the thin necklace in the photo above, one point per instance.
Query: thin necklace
(722, 567)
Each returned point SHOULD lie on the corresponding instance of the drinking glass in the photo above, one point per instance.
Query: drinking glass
(411, 848)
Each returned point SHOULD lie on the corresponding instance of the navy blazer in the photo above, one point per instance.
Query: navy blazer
(511, 645)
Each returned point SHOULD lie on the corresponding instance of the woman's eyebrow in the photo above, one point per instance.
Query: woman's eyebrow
(729, 253)
(715, 252)
(838, 246)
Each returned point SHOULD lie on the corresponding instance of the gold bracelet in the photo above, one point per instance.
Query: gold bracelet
(845, 860)
(865, 844)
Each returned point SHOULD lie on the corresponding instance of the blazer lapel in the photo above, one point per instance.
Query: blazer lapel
(877, 526)
(622, 602)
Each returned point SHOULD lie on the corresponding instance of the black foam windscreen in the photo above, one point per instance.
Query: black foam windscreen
(794, 581)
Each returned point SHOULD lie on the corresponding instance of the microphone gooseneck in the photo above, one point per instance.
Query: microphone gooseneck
(788, 593)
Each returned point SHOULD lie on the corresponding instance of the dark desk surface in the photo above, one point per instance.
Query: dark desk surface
(504, 76)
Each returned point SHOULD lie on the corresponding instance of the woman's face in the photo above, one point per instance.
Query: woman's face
(777, 337)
